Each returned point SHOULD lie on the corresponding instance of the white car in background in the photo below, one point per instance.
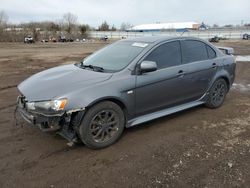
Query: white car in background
(29, 40)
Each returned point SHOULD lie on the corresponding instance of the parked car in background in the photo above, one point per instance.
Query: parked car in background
(70, 40)
(104, 38)
(29, 40)
(45, 40)
(214, 39)
(53, 39)
(127, 83)
(62, 38)
(222, 37)
(246, 36)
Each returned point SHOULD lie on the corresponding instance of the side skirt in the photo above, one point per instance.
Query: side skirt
(161, 113)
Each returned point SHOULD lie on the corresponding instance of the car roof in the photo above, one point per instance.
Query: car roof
(153, 39)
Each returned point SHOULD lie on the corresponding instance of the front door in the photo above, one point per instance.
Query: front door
(161, 88)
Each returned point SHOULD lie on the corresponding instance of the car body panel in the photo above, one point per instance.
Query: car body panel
(198, 78)
(118, 92)
(161, 113)
(164, 83)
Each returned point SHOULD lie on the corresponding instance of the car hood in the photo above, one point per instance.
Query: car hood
(59, 81)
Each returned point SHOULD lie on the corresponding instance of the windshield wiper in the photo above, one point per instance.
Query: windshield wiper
(95, 68)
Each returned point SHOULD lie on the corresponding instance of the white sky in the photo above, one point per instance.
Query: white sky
(94, 12)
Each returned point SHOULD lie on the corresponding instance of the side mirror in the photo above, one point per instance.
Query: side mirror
(148, 66)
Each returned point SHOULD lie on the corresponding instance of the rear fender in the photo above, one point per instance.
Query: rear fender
(220, 74)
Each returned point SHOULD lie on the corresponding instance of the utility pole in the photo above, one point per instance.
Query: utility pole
(242, 21)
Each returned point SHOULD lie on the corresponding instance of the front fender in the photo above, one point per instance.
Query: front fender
(111, 89)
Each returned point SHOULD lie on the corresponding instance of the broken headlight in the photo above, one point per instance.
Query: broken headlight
(46, 107)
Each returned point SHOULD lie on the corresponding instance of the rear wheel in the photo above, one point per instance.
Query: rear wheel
(102, 125)
(217, 94)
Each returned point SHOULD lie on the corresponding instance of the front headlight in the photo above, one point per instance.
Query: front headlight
(58, 104)
(48, 106)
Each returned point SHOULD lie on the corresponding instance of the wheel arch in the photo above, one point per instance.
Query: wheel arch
(78, 116)
(115, 100)
(221, 75)
(226, 79)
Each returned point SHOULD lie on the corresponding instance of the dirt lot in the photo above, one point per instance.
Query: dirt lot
(195, 148)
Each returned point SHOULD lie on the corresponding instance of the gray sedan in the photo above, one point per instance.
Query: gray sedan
(127, 83)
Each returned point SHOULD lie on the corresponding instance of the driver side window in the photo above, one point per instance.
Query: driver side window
(166, 55)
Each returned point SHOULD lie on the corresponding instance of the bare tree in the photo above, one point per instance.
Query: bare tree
(3, 18)
(228, 25)
(70, 21)
(125, 26)
(33, 27)
(104, 26)
(83, 29)
(113, 28)
(215, 26)
(54, 27)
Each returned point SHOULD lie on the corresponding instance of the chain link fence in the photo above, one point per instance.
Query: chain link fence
(205, 34)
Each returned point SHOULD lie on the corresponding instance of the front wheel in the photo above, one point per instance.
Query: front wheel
(217, 93)
(102, 125)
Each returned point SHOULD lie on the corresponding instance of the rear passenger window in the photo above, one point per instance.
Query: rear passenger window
(194, 51)
(166, 55)
(211, 52)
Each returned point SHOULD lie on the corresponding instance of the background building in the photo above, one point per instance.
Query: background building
(177, 26)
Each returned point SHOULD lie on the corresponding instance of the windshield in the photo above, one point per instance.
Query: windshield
(115, 56)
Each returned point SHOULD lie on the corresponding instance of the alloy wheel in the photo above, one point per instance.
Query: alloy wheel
(104, 125)
(218, 93)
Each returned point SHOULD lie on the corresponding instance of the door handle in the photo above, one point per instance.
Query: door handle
(214, 65)
(180, 73)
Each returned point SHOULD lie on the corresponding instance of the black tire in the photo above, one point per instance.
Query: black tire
(217, 94)
(102, 125)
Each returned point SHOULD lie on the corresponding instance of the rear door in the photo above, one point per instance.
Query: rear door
(201, 61)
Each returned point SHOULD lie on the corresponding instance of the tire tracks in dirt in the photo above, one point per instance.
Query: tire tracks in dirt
(8, 87)
(8, 106)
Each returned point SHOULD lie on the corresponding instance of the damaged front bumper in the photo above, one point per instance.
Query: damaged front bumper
(44, 122)
(65, 124)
